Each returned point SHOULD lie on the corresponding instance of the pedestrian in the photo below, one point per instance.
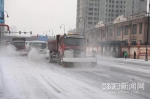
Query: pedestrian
(134, 55)
(125, 54)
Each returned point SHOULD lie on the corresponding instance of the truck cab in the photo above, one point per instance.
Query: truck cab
(40, 46)
(19, 43)
(69, 49)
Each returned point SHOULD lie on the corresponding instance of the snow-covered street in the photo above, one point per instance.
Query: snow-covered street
(23, 78)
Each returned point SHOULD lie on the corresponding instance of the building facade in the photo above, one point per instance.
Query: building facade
(94, 11)
(128, 34)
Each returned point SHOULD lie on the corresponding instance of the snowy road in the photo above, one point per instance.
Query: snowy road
(23, 78)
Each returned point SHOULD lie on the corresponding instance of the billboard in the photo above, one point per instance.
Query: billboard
(42, 38)
(1, 11)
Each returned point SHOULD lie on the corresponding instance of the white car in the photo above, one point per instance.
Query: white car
(40, 46)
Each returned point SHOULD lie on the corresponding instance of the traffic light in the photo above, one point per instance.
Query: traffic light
(31, 32)
(25, 32)
(46, 34)
(19, 32)
(37, 35)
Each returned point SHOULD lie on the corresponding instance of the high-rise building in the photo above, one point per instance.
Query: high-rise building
(93, 11)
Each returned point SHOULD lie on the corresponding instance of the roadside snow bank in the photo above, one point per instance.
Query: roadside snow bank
(8, 50)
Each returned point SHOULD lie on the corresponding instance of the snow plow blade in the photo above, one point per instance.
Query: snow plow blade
(78, 60)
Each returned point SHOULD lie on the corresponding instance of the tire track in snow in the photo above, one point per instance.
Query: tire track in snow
(3, 91)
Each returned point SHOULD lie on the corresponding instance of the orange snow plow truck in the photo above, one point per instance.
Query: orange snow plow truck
(68, 50)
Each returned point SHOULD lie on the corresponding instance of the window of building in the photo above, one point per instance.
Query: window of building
(109, 1)
(106, 9)
(90, 18)
(112, 15)
(112, 1)
(90, 22)
(109, 5)
(133, 42)
(116, 1)
(112, 10)
(95, 9)
(90, 9)
(134, 29)
(121, 1)
(118, 31)
(95, 18)
(140, 31)
(126, 30)
(104, 33)
(116, 6)
(121, 6)
(109, 10)
(110, 32)
(98, 34)
(112, 6)
(90, 4)
(90, 13)
(95, 22)
(95, 4)
(124, 1)
(116, 10)
(121, 11)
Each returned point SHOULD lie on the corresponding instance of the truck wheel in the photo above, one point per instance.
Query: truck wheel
(64, 64)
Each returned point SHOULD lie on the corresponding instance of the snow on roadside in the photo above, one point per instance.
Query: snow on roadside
(33, 80)
(8, 50)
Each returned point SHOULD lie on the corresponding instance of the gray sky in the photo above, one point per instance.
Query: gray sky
(41, 15)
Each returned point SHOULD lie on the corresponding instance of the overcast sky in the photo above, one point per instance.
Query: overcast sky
(41, 15)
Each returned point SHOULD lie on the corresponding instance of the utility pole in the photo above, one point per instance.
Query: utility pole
(146, 56)
(64, 27)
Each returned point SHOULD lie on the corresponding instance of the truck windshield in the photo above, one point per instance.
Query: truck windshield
(74, 41)
(39, 45)
(19, 43)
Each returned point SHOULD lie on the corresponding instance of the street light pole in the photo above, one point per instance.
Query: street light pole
(7, 14)
(64, 27)
(44, 32)
(52, 31)
(146, 56)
